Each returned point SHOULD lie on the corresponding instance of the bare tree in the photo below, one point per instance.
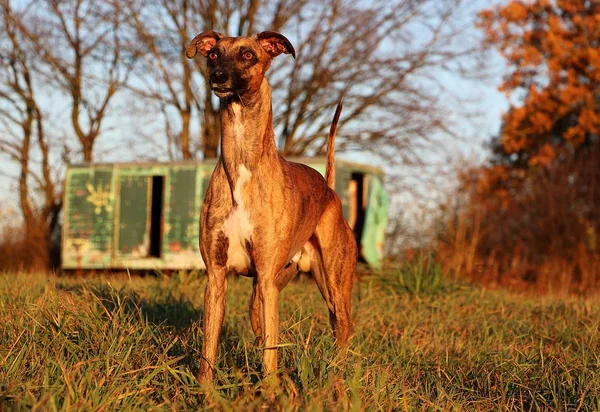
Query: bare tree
(68, 51)
(22, 126)
(382, 61)
(164, 76)
(177, 85)
(84, 52)
(386, 60)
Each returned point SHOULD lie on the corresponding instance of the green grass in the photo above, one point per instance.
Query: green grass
(418, 344)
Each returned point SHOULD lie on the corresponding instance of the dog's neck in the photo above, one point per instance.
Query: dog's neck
(246, 131)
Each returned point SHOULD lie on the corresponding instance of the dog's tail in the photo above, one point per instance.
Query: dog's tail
(330, 168)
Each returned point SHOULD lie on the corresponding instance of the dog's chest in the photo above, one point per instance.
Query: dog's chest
(237, 226)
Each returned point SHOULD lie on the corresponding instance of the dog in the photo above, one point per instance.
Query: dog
(263, 216)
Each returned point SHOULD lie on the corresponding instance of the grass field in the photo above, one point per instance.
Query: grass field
(420, 343)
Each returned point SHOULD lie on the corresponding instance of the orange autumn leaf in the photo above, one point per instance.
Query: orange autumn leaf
(553, 54)
(544, 156)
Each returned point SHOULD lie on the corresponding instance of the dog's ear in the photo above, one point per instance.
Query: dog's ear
(203, 43)
(275, 44)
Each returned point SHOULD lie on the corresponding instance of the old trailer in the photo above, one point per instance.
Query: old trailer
(146, 215)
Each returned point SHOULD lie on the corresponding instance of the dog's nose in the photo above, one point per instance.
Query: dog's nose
(218, 76)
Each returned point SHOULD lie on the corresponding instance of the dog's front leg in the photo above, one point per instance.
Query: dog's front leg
(214, 311)
(269, 296)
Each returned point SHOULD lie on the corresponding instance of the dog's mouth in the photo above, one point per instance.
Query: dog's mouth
(221, 92)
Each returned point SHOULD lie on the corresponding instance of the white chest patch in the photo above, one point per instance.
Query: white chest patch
(238, 125)
(237, 226)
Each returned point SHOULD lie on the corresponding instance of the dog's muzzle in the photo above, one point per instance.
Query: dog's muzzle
(220, 83)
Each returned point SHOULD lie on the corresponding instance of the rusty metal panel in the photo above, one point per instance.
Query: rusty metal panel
(342, 184)
(88, 214)
(373, 236)
(184, 195)
(181, 228)
(134, 216)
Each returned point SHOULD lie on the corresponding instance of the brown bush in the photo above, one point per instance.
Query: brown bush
(22, 251)
(537, 228)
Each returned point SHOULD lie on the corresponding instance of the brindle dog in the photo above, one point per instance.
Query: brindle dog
(263, 216)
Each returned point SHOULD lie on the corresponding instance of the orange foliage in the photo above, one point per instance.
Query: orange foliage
(553, 51)
(537, 228)
(532, 214)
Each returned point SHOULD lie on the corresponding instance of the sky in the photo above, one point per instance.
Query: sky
(482, 94)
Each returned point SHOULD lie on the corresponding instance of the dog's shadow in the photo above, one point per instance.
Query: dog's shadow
(172, 314)
(171, 311)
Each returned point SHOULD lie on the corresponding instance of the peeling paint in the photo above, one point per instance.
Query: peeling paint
(109, 220)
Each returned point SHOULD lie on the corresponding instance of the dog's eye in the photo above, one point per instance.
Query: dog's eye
(213, 56)
(248, 56)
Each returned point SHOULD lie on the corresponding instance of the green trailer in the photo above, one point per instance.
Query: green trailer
(146, 216)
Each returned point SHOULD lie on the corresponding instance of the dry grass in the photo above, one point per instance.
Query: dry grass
(420, 343)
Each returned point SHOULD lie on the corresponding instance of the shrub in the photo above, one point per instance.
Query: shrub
(538, 227)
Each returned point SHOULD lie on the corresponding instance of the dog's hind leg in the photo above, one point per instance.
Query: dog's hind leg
(340, 277)
(333, 268)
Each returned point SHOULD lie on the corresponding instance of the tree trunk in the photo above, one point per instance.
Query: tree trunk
(87, 147)
(211, 130)
(185, 134)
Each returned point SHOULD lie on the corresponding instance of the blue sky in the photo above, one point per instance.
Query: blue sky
(482, 94)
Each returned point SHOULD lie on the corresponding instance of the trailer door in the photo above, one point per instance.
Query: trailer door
(134, 216)
(373, 233)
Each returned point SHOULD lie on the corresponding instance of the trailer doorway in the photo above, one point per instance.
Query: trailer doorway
(141, 210)
(156, 216)
(358, 192)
